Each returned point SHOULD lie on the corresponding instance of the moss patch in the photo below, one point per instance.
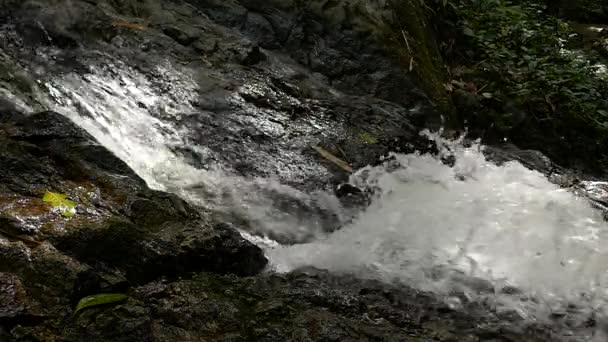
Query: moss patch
(411, 38)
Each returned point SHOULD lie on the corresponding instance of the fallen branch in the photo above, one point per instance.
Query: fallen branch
(129, 25)
(337, 161)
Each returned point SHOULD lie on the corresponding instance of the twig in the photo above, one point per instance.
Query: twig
(342, 152)
(407, 44)
(482, 88)
(339, 162)
(478, 64)
(129, 25)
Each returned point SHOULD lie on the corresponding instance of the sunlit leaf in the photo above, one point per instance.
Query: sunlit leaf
(99, 299)
(59, 201)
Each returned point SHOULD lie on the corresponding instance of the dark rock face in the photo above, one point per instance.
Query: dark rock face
(532, 159)
(122, 229)
(311, 306)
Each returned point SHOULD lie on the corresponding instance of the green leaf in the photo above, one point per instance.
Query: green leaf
(59, 201)
(99, 299)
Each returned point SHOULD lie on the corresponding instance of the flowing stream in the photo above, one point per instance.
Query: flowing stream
(429, 225)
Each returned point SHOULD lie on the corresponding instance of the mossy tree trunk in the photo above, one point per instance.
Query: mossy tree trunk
(403, 27)
(412, 39)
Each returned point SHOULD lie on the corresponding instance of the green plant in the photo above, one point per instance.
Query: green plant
(99, 299)
(526, 59)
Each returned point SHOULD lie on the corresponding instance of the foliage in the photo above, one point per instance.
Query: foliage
(99, 299)
(526, 59)
(59, 201)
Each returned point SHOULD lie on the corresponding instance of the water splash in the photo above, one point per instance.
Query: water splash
(505, 224)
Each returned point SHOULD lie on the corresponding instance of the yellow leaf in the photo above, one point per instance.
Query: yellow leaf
(59, 201)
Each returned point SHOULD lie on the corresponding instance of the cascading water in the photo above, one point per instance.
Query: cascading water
(505, 224)
(132, 117)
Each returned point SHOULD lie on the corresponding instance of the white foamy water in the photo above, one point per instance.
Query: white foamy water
(506, 224)
(113, 103)
(132, 116)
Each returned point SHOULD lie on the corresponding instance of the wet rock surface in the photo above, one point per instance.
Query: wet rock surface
(122, 230)
(269, 83)
(273, 79)
(308, 305)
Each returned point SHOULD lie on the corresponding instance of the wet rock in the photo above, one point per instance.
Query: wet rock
(44, 279)
(532, 159)
(311, 305)
(183, 35)
(259, 29)
(294, 98)
(122, 232)
(595, 191)
(254, 56)
(100, 280)
(346, 189)
(13, 298)
(54, 152)
(175, 250)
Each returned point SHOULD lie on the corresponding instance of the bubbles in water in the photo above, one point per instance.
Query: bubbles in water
(506, 224)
